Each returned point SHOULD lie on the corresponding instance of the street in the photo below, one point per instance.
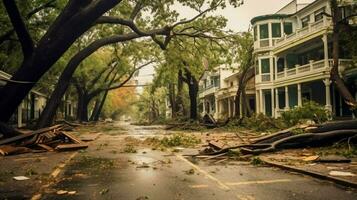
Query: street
(103, 171)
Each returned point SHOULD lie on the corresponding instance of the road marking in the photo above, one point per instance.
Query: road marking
(220, 184)
(54, 174)
(258, 182)
(198, 186)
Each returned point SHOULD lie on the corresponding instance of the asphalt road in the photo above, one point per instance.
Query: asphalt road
(103, 172)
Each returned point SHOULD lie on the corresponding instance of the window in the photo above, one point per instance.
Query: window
(319, 14)
(280, 64)
(255, 33)
(276, 29)
(288, 28)
(263, 31)
(265, 65)
(231, 83)
(305, 21)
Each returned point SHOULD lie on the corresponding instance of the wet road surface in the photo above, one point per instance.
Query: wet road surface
(103, 172)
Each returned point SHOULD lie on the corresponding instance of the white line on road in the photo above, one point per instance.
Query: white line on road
(219, 183)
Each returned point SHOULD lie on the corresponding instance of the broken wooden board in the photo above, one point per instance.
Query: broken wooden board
(67, 147)
(72, 137)
(216, 145)
(9, 150)
(27, 135)
(44, 146)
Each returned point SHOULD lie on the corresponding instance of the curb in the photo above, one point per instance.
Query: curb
(313, 174)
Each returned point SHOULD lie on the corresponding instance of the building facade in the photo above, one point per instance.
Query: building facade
(32, 106)
(293, 50)
(218, 90)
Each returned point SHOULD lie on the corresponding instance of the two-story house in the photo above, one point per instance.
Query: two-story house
(218, 90)
(293, 50)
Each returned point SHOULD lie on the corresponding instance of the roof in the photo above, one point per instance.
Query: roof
(271, 16)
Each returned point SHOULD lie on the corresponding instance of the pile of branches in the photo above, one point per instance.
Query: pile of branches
(299, 137)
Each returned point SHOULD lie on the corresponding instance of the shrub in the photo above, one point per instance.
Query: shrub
(309, 111)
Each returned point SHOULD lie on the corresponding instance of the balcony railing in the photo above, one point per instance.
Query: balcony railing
(299, 33)
(313, 66)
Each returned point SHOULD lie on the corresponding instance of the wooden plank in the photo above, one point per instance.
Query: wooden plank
(48, 148)
(72, 137)
(27, 135)
(64, 147)
(8, 150)
(216, 145)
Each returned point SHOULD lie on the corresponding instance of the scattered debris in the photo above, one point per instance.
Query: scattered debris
(340, 173)
(104, 191)
(142, 198)
(310, 158)
(143, 165)
(62, 192)
(190, 172)
(41, 140)
(20, 178)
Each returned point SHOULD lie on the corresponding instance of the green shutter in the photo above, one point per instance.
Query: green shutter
(263, 30)
(276, 29)
(265, 65)
(288, 28)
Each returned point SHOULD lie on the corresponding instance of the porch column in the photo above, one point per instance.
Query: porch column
(229, 107)
(327, 83)
(299, 94)
(216, 113)
(204, 106)
(325, 41)
(272, 103)
(287, 98)
(261, 101)
(277, 102)
(257, 102)
(19, 115)
(275, 74)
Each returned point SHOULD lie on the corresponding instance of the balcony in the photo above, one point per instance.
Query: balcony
(211, 89)
(311, 68)
(304, 32)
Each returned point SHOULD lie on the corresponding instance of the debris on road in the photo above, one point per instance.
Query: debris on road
(20, 178)
(42, 140)
(340, 173)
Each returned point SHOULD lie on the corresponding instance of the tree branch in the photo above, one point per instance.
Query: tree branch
(20, 27)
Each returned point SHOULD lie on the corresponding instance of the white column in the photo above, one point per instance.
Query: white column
(257, 101)
(229, 107)
(270, 35)
(272, 103)
(204, 106)
(261, 102)
(276, 102)
(216, 113)
(327, 83)
(325, 41)
(299, 94)
(287, 106)
(276, 68)
(234, 107)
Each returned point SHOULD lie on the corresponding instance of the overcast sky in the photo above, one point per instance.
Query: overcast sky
(238, 20)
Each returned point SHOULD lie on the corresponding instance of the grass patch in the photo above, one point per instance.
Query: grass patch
(95, 163)
(175, 140)
(129, 149)
(256, 161)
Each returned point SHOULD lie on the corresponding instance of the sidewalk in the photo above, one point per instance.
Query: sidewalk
(305, 161)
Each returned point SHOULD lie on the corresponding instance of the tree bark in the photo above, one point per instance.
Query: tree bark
(172, 99)
(334, 74)
(192, 83)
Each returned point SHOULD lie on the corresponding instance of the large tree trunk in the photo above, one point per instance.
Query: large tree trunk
(335, 76)
(100, 108)
(180, 108)
(172, 100)
(68, 26)
(192, 83)
(95, 108)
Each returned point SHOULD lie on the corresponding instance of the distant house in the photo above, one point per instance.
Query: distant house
(217, 92)
(293, 53)
(32, 106)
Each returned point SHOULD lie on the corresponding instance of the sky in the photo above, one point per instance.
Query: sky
(238, 20)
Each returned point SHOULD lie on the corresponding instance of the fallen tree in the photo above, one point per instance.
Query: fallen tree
(297, 137)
